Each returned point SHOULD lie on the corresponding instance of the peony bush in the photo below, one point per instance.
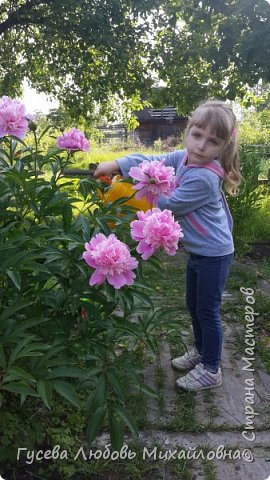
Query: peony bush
(59, 330)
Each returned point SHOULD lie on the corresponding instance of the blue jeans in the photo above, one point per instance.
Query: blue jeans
(205, 282)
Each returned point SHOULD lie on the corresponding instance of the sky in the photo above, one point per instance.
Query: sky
(37, 102)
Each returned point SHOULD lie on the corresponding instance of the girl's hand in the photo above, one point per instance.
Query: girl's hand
(107, 168)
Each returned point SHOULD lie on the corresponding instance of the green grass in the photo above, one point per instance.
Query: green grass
(264, 167)
(259, 221)
(241, 275)
(263, 269)
(184, 419)
(263, 328)
(159, 383)
(153, 468)
(107, 154)
(209, 470)
(211, 410)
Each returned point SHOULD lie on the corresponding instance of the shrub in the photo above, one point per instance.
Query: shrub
(255, 128)
(246, 205)
(59, 336)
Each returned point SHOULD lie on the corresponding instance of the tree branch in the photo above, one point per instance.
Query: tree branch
(24, 15)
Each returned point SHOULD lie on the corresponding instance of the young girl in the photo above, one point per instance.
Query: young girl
(198, 203)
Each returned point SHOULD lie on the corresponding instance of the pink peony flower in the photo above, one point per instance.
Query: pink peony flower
(156, 229)
(74, 139)
(154, 180)
(13, 118)
(111, 259)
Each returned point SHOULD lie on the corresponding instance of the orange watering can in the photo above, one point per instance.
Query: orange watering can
(124, 189)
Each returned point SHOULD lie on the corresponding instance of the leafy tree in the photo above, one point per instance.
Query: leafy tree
(245, 42)
(211, 48)
(85, 52)
(79, 51)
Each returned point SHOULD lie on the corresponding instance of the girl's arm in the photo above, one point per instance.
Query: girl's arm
(124, 164)
(193, 193)
(107, 168)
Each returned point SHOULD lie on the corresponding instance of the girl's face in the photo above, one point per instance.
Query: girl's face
(202, 145)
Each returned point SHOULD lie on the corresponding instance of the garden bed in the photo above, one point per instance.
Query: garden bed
(259, 251)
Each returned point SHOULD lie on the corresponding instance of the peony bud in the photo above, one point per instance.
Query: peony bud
(32, 126)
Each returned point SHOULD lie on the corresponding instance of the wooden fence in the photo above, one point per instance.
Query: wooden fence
(113, 132)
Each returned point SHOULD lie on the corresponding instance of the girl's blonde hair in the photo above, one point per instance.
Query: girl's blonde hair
(222, 122)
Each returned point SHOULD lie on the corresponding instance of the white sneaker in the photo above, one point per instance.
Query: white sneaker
(188, 360)
(200, 379)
